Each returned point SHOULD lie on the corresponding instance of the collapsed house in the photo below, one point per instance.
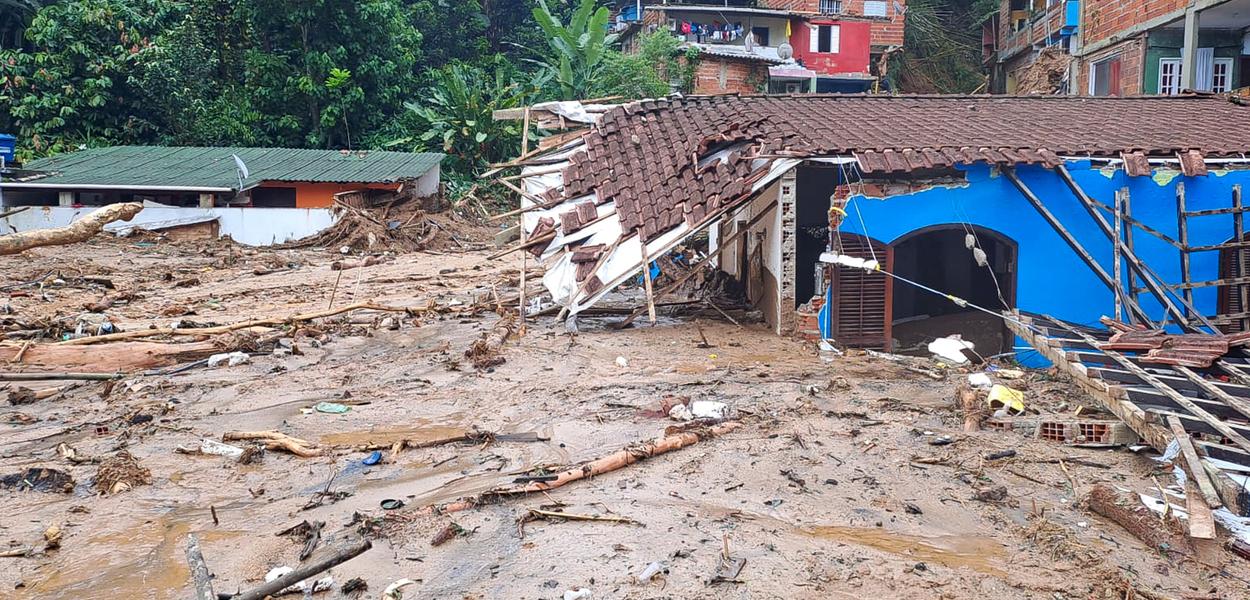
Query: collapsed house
(257, 196)
(884, 222)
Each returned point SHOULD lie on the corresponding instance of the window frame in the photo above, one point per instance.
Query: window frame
(1093, 74)
(1176, 75)
(1227, 63)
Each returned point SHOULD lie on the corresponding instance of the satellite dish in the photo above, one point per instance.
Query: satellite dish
(785, 51)
(242, 170)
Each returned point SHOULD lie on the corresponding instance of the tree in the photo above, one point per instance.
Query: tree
(78, 85)
(576, 51)
(455, 115)
(297, 46)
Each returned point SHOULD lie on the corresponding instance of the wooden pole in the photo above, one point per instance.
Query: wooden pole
(1127, 209)
(1182, 236)
(1193, 464)
(646, 277)
(1243, 293)
(525, 144)
(1144, 271)
(302, 573)
(1115, 252)
(1068, 238)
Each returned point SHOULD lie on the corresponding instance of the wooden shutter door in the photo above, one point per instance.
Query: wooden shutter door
(862, 309)
(1234, 263)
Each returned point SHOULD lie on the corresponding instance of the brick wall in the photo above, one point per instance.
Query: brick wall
(886, 31)
(1103, 19)
(715, 75)
(1132, 53)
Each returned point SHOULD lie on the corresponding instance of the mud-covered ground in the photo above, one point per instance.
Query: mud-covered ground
(831, 487)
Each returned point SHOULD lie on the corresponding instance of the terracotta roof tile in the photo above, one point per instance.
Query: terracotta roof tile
(650, 178)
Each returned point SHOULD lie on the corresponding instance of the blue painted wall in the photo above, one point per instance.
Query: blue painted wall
(1051, 278)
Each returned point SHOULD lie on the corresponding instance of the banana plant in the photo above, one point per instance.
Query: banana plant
(575, 51)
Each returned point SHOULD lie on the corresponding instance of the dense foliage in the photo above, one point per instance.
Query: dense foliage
(410, 74)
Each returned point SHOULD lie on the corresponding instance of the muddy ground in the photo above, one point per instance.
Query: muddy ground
(830, 489)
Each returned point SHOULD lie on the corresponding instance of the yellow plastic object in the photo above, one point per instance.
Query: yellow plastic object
(1002, 396)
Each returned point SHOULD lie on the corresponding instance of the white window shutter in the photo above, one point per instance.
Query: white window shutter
(813, 38)
(835, 41)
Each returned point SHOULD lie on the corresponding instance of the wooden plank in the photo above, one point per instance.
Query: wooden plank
(1147, 398)
(1216, 392)
(1067, 236)
(1193, 409)
(1118, 272)
(1239, 233)
(1193, 465)
(1147, 275)
(1174, 381)
(1235, 210)
(1182, 236)
(1128, 218)
(1224, 246)
(1201, 521)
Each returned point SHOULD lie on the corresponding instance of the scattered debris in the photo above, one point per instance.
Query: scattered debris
(121, 472)
(447, 533)
(79, 231)
(229, 359)
(274, 440)
(39, 480)
(1126, 510)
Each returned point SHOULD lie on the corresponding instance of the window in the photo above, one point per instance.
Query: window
(1104, 77)
(1214, 74)
(874, 8)
(1222, 75)
(761, 35)
(824, 39)
(1169, 76)
(830, 7)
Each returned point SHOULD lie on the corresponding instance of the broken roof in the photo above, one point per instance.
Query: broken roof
(213, 168)
(666, 168)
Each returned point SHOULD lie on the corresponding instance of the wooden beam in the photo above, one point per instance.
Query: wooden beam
(1193, 464)
(1128, 218)
(695, 268)
(1115, 253)
(1224, 246)
(1188, 404)
(1239, 233)
(1126, 214)
(1235, 210)
(1067, 236)
(1182, 236)
(1237, 404)
(1147, 276)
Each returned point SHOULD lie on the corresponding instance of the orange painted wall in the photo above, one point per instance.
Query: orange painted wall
(321, 195)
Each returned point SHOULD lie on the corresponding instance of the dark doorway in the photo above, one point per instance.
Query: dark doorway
(811, 224)
(939, 257)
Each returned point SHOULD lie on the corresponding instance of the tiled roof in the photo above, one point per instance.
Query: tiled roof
(645, 156)
(213, 167)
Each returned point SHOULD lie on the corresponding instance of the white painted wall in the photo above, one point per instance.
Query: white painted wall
(250, 226)
(771, 225)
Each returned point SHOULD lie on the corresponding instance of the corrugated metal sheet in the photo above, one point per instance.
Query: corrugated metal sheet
(214, 168)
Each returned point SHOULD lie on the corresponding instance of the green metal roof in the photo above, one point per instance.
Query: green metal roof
(154, 167)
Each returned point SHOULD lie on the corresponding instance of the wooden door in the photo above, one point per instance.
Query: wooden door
(863, 309)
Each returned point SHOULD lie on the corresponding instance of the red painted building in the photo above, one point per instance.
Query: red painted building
(775, 46)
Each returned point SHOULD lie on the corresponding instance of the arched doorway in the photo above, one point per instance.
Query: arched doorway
(940, 257)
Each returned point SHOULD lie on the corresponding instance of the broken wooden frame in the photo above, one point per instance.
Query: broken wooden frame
(1145, 395)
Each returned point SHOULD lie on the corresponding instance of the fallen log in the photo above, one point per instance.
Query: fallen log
(199, 570)
(116, 358)
(599, 466)
(484, 353)
(206, 331)
(273, 587)
(1128, 512)
(79, 231)
(274, 440)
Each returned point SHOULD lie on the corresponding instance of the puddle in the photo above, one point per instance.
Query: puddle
(980, 554)
(144, 561)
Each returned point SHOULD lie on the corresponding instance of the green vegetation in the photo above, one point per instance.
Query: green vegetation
(411, 74)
